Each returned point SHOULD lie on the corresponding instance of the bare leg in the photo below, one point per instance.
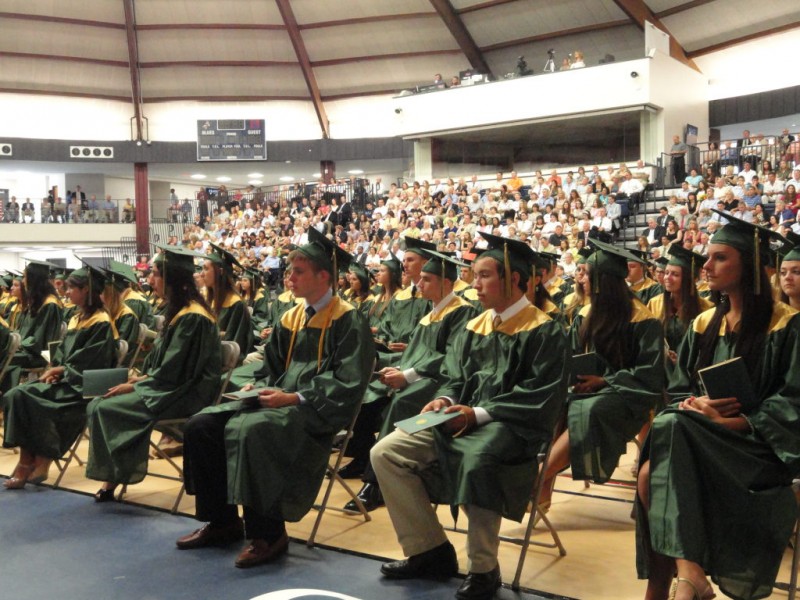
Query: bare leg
(559, 460)
(661, 568)
(41, 469)
(695, 574)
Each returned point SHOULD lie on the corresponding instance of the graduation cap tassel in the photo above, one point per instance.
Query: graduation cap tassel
(693, 277)
(532, 294)
(335, 273)
(442, 281)
(507, 270)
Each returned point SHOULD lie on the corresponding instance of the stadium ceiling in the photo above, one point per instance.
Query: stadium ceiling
(151, 51)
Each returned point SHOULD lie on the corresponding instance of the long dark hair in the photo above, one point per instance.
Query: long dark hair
(690, 302)
(37, 288)
(756, 316)
(223, 285)
(179, 291)
(607, 325)
(94, 301)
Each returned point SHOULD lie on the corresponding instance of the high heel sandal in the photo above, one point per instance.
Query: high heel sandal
(19, 478)
(104, 495)
(696, 595)
(40, 474)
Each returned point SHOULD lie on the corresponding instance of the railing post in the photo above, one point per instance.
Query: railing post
(142, 199)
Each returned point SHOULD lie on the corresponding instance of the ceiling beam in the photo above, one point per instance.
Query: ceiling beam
(156, 99)
(743, 39)
(682, 7)
(62, 94)
(61, 20)
(482, 5)
(217, 63)
(305, 64)
(193, 26)
(639, 12)
(363, 20)
(462, 36)
(556, 34)
(133, 64)
(58, 57)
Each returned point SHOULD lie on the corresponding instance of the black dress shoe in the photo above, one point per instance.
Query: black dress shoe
(370, 495)
(437, 563)
(353, 470)
(480, 586)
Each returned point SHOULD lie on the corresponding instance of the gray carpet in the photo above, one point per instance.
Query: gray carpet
(58, 544)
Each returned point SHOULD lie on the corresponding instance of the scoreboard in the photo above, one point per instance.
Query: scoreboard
(231, 139)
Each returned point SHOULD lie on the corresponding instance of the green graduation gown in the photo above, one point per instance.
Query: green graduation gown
(429, 344)
(378, 311)
(128, 329)
(402, 316)
(235, 324)
(36, 333)
(602, 423)
(646, 290)
(47, 418)
(516, 373)
(722, 498)
(183, 376)
(277, 457)
(140, 306)
(261, 307)
(5, 332)
(674, 329)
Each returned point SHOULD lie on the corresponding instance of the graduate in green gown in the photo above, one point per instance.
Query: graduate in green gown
(6, 299)
(44, 418)
(60, 284)
(5, 332)
(789, 277)
(38, 322)
(505, 377)
(125, 320)
(407, 306)
(181, 376)
(639, 279)
(269, 454)
(233, 317)
(132, 295)
(607, 408)
(715, 474)
(389, 279)
(680, 303)
(575, 300)
(360, 295)
(403, 388)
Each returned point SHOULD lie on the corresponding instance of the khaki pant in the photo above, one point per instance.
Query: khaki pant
(398, 459)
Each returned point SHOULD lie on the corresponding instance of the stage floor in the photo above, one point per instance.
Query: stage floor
(61, 544)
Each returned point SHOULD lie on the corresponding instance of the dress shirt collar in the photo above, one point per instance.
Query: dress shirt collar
(512, 310)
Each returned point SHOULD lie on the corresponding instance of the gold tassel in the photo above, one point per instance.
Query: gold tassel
(692, 275)
(335, 273)
(532, 294)
(442, 282)
(757, 262)
(507, 270)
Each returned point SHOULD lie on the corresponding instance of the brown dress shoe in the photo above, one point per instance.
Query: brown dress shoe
(259, 552)
(210, 535)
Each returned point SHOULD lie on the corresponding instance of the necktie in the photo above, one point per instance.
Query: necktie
(310, 312)
(413, 290)
(496, 322)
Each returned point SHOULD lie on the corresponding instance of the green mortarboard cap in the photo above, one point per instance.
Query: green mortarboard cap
(325, 253)
(610, 259)
(6, 280)
(791, 246)
(120, 282)
(59, 272)
(681, 257)
(584, 254)
(636, 255)
(513, 255)
(223, 258)
(253, 275)
(417, 246)
(660, 262)
(393, 264)
(121, 270)
(174, 258)
(442, 265)
(95, 277)
(43, 267)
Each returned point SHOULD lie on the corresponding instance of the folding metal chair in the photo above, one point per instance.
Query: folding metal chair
(140, 341)
(334, 477)
(791, 587)
(174, 427)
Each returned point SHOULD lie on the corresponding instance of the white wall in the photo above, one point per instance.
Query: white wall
(120, 188)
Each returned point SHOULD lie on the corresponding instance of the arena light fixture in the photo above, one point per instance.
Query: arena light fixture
(198, 176)
(255, 182)
(255, 175)
(223, 179)
(287, 178)
(356, 172)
